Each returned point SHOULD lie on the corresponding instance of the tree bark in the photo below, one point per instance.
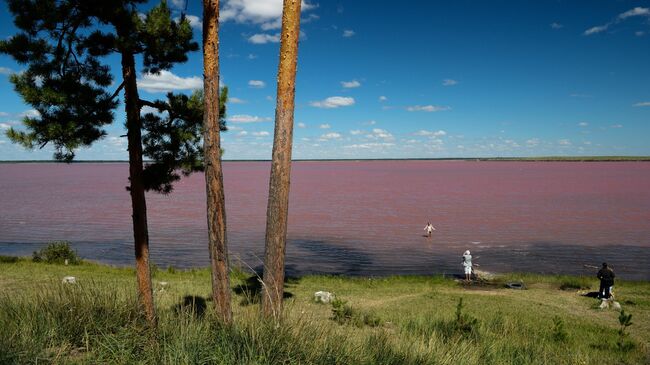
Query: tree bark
(217, 240)
(278, 204)
(138, 202)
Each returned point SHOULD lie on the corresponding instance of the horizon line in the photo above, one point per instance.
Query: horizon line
(603, 158)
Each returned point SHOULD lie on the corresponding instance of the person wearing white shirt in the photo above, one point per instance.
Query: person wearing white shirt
(467, 263)
(429, 228)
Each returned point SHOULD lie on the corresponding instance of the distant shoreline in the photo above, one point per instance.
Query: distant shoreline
(528, 159)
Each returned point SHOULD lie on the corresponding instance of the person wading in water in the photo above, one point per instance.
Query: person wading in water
(606, 276)
(429, 228)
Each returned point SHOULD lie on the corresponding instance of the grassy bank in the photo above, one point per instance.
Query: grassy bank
(395, 320)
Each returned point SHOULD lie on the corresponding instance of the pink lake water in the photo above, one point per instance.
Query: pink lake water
(353, 217)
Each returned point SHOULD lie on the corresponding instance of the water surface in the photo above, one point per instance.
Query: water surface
(353, 217)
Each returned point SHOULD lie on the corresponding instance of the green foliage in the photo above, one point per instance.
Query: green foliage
(63, 43)
(559, 333)
(8, 259)
(463, 325)
(173, 140)
(575, 283)
(57, 253)
(623, 343)
(343, 313)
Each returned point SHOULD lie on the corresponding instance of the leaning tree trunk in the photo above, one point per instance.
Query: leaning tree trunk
(212, 158)
(278, 205)
(138, 202)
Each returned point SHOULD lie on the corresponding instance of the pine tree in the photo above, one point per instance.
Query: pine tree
(63, 44)
(278, 204)
(217, 239)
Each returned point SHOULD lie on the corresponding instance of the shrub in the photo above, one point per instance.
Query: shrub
(8, 259)
(623, 343)
(463, 325)
(57, 253)
(343, 313)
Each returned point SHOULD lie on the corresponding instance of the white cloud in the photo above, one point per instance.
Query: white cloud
(263, 38)
(378, 133)
(5, 126)
(596, 29)
(556, 25)
(332, 135)
(166, 81)
(382, 98)
(274, 24)
(350, 84)
(242, 133)
(564, 142)
(302, 125)
(356, 132)
(370, 122)
(333, 102)
(234, 100)
(6, 71)
(583, 124)
(438, 133)
(31, 113)
(195, 21)
(449, 82)
(325, 126)
(265, 13)
(638, 11)
(258, 84)
(533, 142)
(617, 126)
(639, 33)
(245, 118)
(348, 33)
(643, 103)
(3, 114)
(180, 4)
(251, 56)
(370, 145)
(427, 108)
(261, 134)
(146, 109)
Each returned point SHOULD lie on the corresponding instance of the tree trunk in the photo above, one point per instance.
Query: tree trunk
(217, 240)
(138, 202)
(278, 204)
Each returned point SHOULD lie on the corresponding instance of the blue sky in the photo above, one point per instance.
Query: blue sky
(415, 79)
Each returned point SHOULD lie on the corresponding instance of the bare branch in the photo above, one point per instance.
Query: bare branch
(117, 91)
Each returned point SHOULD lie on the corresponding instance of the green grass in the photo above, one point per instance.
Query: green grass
(391, 320)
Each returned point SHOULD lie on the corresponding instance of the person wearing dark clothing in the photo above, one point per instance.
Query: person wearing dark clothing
(606, 276)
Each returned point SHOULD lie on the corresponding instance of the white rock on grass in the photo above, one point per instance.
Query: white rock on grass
(323, 297)
(69, 280)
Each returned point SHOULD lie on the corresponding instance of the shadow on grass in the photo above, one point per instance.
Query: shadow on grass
(192, 304)
(251, 289)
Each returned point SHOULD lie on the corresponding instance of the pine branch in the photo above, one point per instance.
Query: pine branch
(117, 91)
